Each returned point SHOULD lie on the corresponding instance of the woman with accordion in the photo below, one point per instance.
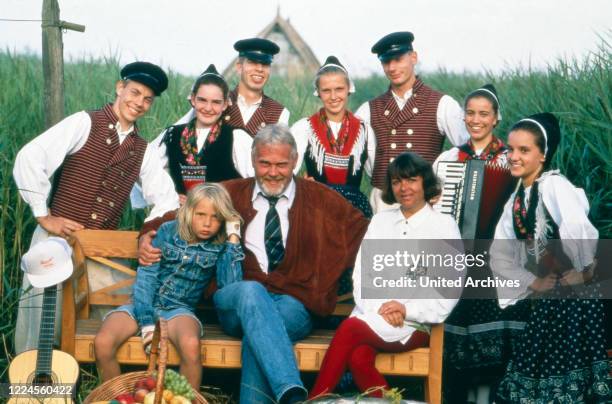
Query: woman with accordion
(477, 337)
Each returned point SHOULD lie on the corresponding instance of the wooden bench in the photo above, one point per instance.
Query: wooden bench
(218, 349)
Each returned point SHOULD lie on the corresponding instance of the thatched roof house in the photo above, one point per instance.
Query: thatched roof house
(295, 57)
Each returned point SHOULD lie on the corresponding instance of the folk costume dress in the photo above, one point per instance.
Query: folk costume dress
(478, 334)
(185, 145)
(336, 154)
(560, 356)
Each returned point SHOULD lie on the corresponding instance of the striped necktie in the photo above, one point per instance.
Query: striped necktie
(273, 236)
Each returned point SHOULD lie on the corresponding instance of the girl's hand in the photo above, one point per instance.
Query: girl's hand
(182, 199)
(232, 229)
(573, 277)
(147, 337)
(393, 312)
(544, 284)
(307, 177)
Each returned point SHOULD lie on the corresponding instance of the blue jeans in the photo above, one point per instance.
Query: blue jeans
(268, 323)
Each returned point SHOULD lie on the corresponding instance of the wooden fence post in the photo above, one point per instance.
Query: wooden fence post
(53, 63)
(53, 60)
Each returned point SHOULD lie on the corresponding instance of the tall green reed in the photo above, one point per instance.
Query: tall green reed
(579, 92)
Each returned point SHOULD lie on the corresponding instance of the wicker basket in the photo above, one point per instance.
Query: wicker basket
(125, 383)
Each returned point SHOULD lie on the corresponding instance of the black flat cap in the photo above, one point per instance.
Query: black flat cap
(257, 49)
(393, 45)
(148, 74)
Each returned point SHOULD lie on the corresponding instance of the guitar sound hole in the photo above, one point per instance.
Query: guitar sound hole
(43, 378)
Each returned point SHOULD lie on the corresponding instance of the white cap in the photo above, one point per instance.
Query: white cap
(48, 262)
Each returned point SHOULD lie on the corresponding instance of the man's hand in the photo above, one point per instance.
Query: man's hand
(544, 284)
(59, 226)
(393, 312)
(147, 254)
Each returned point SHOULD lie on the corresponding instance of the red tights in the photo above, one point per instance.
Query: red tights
(355, 346)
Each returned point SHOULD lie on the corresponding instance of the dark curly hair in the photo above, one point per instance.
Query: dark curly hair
(408, 165)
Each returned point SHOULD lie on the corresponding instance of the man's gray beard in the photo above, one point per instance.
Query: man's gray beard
(267, 192)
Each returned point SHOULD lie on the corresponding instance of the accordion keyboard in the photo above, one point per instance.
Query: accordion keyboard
(453, 174)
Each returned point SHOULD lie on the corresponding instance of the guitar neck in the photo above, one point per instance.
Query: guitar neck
(47, 332)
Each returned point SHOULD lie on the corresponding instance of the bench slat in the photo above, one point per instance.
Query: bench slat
(220, 350)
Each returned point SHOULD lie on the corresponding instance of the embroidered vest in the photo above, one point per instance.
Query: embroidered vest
(217, 157)
(93, 184)
(413, 129)
(334, 169)
(268, 113)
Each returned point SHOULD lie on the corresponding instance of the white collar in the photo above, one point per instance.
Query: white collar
(406, 97)
(202, 131)
(288, 193)
(242, 100)
(122, 132)
(416, 219)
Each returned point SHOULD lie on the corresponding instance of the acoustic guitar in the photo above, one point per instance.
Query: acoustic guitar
(44, 375)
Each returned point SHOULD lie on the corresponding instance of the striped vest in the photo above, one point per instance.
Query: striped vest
(93, 184)
(413, 129)
(268, 113)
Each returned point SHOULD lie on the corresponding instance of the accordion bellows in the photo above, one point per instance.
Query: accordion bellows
(474, 193)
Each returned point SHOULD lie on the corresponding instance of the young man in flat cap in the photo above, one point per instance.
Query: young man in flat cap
(410, 116)
(251, 109)
(95, 157)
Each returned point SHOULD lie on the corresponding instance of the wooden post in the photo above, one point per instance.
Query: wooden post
(53, 60)
(53, 63)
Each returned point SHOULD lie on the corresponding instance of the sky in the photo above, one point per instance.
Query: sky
(456, 35)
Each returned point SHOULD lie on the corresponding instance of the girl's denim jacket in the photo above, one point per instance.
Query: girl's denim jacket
(183, 273)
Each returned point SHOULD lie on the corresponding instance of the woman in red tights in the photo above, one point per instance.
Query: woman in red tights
(384, 325)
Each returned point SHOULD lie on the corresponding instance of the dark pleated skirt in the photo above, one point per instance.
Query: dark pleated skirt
(560, 357)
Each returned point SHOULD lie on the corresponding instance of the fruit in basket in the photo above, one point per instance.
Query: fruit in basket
(147, 383)
(140, 394)
(125, 398)
(150, 383)
(150, 398)
(167, 395)
(180, 400)
(178, 384)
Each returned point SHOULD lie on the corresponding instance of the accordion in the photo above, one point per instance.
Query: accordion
(474, 193)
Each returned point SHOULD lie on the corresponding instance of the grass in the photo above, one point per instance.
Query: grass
(578, 92)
